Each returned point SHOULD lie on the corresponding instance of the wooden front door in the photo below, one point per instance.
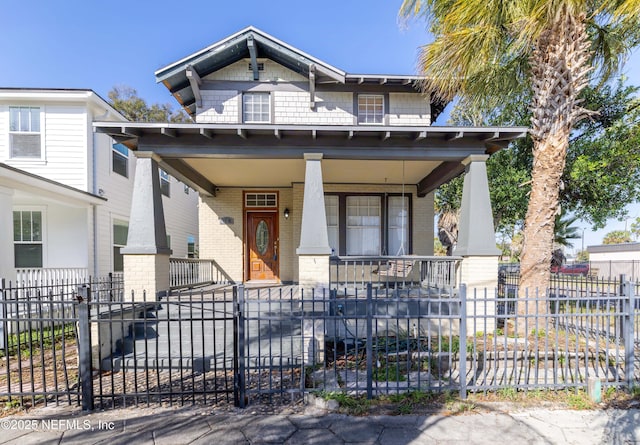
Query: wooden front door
(262, 246)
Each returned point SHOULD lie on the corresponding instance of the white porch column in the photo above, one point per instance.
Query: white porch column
(313, 256)
(7, 269)
(146, 256)
(477, 242)
(314, 251)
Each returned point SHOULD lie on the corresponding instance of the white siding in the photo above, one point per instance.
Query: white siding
(181, 217)
(65, 144)
(77, 157)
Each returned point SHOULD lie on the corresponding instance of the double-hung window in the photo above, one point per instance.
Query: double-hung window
(375, 224)
(371, 109)
(24, 133)
(120, 233)
(363, 225)
(256, 107)
(27, 238)
(120, 159)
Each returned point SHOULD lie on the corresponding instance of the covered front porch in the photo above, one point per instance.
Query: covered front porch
(277, 203)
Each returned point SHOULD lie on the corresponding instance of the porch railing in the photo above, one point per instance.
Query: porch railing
(40, 276)
(190, 272)
(354, 272)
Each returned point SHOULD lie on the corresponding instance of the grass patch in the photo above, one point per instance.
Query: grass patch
(27, 342)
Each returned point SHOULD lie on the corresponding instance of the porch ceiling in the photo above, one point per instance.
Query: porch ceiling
(206, 156)
(284, 172)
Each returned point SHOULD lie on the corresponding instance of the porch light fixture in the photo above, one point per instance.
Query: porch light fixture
(286, 213)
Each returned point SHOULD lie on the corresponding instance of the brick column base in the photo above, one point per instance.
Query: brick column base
(480, 274)
(146, 274)
(313, 279)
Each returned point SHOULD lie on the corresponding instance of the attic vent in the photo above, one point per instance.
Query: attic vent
(260, 66)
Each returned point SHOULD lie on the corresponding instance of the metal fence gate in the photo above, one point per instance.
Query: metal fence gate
(237, 346)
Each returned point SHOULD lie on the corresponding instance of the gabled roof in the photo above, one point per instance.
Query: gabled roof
(88, 96)
(254, 43)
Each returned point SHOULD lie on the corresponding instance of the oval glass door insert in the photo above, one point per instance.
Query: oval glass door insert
(262, 237)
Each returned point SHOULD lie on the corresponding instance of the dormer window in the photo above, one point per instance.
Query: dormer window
(256, 108)
(371, 109)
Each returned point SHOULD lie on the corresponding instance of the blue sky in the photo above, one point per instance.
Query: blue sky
(96, 45)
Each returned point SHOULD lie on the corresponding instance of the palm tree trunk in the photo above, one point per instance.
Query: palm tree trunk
(559, 72)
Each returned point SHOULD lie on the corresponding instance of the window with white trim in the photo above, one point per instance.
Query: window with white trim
(332, 210)
(25, 139)
(261, 200)
(376, 224)
(120, 233)
(191, 247)
(120, 159)
(256, 107)
(27, 238)
(165, 187)
(363, 225)
(370, 109)
(398, 225)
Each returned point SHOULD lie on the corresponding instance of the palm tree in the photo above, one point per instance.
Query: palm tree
(488, 51)
(565, 231)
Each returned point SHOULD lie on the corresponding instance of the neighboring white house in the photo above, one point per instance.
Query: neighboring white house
(613, 260)
(65, 192)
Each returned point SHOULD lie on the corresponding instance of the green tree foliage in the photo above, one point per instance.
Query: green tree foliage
(565, 231)
(617, 237)
(438, 248)
(582, 256)
(488, 51)
(126, 100)
(635, 228)
(602, 172)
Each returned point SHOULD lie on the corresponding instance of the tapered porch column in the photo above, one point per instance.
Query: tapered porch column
(146, 256)
(477, 241)
(7, 269)
(313, 257)
(314, 251)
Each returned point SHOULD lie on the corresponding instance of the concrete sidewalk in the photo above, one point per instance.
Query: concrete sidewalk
(174, 426)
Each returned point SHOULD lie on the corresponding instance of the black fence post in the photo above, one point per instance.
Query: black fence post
(3, 313)
(369, 341)
(239, 349)
(463, 341)
(84, 349)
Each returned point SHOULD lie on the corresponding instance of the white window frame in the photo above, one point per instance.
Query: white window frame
(390, 224)
(365, 224)
(40, 132)
(115, 152)
(399, 224)
(261, 200)
(367, 114)
(331, 206)
(165, 183)
(43, 229)
(248, 117)
(119, 222)
(191, 241)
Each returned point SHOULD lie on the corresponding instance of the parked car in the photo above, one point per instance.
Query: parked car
(572, 269)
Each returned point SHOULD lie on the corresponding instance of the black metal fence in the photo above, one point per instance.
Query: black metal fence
(240, 346)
